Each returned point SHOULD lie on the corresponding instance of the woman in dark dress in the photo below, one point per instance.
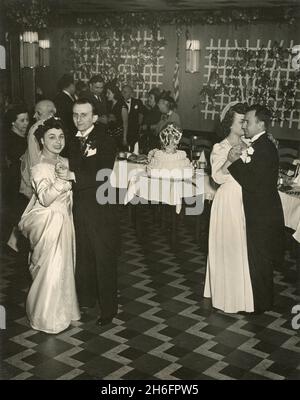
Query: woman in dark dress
(117, 126)
(152, 116)
(16, 144)
(18, 121)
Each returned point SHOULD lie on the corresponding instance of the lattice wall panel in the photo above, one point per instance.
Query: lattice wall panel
(152, 74)
(223, 47)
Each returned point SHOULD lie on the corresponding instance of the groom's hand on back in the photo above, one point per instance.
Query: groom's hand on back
(234, 153)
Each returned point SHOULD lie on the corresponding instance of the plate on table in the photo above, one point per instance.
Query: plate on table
(138, 159)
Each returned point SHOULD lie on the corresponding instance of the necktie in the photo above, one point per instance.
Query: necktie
(82, 141)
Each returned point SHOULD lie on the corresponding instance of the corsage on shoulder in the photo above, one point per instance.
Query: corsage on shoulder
(247, 154)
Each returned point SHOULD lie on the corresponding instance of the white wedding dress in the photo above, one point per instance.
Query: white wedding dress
(48, 224)
(227, 277)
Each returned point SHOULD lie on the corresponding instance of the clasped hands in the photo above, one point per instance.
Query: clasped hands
(235, 153)
(62, 171)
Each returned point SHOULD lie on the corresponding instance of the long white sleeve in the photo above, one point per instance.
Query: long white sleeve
(218, 158)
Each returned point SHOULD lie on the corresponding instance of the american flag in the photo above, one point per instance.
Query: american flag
(176, 73)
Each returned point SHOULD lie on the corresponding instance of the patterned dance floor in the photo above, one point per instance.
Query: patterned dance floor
(164, 329)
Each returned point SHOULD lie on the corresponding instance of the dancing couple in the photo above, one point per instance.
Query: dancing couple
(65, 270)
(246, 233)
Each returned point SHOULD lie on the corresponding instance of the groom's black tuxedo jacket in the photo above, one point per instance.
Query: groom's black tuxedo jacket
(86, 167)
(262, 204)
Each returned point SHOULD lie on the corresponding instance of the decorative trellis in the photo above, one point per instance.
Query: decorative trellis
(224, 51)
(151, 73)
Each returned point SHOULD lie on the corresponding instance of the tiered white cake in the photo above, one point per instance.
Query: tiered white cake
(162, 164)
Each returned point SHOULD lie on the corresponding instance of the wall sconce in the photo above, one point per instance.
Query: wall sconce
(30, 50)
(192, 56)
(44, 53)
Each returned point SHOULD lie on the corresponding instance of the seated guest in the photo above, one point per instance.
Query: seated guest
(95, 94)
(64, 103)
(167, 107)
(44, 110)
(117, 116)
(135, 116)
(152, 116)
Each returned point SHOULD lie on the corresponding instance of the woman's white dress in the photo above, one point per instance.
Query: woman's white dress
(227, 277)
(48, 223)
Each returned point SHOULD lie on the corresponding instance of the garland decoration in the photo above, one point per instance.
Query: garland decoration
(106, 53)
(254, 76)
(40, 14)
(22, 15)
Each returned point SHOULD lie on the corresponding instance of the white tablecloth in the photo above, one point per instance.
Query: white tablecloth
(291, 212)
(133, 177)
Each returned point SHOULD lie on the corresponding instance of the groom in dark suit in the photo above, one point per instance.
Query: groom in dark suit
(95, 225)
(257, 173)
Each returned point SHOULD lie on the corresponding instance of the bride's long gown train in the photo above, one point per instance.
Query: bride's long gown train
(48, 224)
(227, 276)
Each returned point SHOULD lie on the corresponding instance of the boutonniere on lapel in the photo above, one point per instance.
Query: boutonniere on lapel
(90, 147)
(247, 154)
(136, 107)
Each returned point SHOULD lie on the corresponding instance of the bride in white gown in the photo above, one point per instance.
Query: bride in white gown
(227, 276)
(48, 224)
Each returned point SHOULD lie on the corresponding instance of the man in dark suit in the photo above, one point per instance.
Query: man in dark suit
(95, 94)
(96, 226)
(64, 101)
(257, 173)
(135, 116)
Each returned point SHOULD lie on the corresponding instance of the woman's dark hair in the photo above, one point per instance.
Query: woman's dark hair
(12, 114)
(166, 95)
(226, 124)
(51, 123)
(115, 91)
(156, 93)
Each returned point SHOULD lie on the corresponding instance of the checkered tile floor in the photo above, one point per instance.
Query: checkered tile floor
(164, 329)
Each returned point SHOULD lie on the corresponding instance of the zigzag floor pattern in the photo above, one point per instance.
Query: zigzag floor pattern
(164, 329)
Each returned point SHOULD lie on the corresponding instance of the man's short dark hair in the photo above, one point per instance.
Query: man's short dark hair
(262, 113)
(65, 81)
(86, 101)
(96, 79)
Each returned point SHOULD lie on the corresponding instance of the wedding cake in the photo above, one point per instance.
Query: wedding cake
(169, 162)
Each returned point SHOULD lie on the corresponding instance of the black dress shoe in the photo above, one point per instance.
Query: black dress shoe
(104, 321)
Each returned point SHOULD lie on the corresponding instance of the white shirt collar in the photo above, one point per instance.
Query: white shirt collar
(129, 100)
(68, 94)
(85, 133)
(258, 135)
